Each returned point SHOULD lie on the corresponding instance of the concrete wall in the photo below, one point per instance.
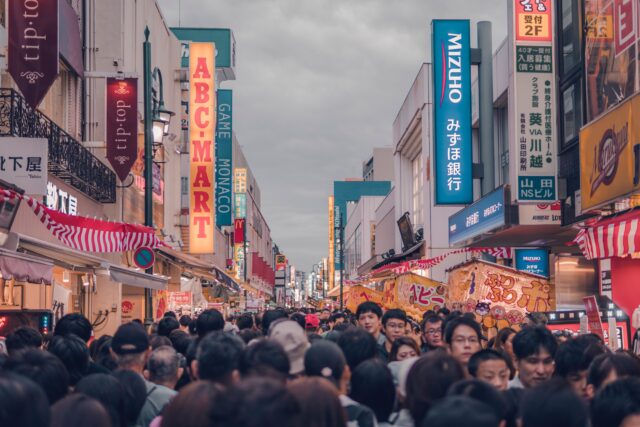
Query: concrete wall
(383, 164)
(386, 224)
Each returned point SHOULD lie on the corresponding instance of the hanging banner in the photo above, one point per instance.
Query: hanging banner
(452, 111)
(122, 125)
(238, 231)
(33, 47)
(202, 119)
(224, 154)
(499, 296)
(535, 101)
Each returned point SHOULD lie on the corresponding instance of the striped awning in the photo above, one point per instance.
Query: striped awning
(616, 236)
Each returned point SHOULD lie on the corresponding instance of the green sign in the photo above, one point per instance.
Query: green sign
(533, 59)
(222, 37)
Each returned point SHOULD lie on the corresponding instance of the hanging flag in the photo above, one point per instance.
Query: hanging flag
(89, 235)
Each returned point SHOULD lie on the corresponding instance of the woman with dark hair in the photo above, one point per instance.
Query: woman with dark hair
(79, 410)
(107, 390)
(319, 403)
(135, 394)
(504, 342)
(403, 348)
(193, 406)
(428, 380)
(372, 385)
(22, 402)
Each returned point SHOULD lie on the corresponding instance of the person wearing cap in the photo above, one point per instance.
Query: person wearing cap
(293, 339)
(131, 349)
(325, 359)
(312, 324)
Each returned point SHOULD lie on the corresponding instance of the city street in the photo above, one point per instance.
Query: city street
(286, 213)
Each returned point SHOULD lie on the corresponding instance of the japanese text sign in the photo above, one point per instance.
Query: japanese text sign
(533, 20)
(224, 153)
(413, 293)
(593, 316)
(23, 162)
(534, 261)
(33, 47)
(202, 120)
(610, 155)
(122, 125)
(240, 203)
(452, 111)
(60, 200)
(240, 180)
(535, 104)
(625, 24)
(486, 214)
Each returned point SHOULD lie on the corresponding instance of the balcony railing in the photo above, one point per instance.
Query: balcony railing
(68, 159)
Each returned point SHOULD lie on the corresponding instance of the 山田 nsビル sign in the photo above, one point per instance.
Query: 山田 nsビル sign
(452, 111)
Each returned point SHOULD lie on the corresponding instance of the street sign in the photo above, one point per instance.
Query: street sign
(144, 257)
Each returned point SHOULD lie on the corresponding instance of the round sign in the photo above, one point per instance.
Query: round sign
(144, 257)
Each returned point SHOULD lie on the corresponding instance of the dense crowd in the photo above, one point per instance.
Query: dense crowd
(293, 368)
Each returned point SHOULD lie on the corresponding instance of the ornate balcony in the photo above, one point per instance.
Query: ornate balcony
(68, 159)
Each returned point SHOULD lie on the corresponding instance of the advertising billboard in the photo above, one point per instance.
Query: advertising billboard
(202, 119)
(534, 261)
(224, 158)
(452, 112)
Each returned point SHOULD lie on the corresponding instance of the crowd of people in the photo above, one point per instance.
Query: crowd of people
(318, 369)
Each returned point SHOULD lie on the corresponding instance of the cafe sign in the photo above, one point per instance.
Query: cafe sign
(122, 125)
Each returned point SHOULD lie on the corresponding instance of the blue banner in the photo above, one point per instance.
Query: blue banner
(452, 112)
(534, 261)
(224, 150)
(487, 214)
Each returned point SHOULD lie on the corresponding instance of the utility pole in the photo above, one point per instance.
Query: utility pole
(148, 164)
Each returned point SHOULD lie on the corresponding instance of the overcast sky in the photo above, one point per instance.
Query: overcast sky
(318, 85)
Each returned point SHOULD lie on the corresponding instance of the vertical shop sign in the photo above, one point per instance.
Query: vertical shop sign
(332, 242)
(224, 150)
(122, 125)
(33, 47)
(452, 111)
(202, 119)
(240, 203)
(238, 231)
(535, 102)
(593, 315)
(625, 24)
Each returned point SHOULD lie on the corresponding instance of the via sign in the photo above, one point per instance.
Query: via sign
(452, 111)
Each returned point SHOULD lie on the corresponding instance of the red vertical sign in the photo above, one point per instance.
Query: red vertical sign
(593, 315)
(122, 124)
(624, 24)
(33, 46)
(238, 231)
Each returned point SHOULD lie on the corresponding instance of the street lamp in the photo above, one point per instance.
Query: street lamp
(156, 122)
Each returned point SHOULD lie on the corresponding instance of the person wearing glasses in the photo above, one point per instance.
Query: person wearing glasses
(431, 333)
(463, 337)
(535, 349)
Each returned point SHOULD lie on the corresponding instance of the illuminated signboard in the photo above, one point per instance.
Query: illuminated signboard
(240, 180)
(332, 232)
(533, 20)
(224, 152)
(202, 121)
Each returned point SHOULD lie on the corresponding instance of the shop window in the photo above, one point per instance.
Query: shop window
(570, 29)
(571, 118)
(417, 175)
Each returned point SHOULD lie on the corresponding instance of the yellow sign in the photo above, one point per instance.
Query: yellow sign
(533, 20)
(414, 294)
(240, 180)
(498, 296)
(608, 155)
(202, 122)
(353, 296)
(599, 27)
(332, 231)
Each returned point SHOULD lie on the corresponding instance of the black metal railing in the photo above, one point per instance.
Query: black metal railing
(68, 159)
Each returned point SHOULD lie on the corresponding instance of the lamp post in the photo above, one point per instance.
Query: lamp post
(156, 125)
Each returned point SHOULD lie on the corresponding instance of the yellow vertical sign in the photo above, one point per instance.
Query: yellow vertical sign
(202, 121)
(332, 230)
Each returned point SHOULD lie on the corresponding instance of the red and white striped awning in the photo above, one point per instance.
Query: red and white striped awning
(618, 236)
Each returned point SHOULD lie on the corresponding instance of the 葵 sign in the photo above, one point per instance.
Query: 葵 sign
(202, 120)
(224, 151)
(33, 46)
(23, 162)
(535, 102)
(452, 111)
(122, 124)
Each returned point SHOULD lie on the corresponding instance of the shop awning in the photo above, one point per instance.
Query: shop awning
(140, 279)
(25, 268)
(614, 236)
(60, 255)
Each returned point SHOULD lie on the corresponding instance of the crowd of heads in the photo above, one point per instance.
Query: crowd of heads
(315, 368)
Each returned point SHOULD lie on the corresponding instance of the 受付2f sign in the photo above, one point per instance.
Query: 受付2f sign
(452, 112)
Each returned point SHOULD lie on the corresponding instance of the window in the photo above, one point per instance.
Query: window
(570, 35)
(417, 174)
(571, 113)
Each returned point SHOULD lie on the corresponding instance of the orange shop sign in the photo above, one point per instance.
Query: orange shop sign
(202, 121)
(609, 155)
(533, 20)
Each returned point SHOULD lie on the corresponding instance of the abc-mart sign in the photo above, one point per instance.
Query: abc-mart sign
(610, 156)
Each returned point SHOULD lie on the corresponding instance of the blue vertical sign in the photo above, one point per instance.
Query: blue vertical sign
(224, 150)
(452, 111)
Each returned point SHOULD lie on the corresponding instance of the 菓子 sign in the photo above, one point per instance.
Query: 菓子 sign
(122, 124)
(202, 121)
(535, 102)
(452, 111)
(23, 162)
(224, 152)
(33, 47)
